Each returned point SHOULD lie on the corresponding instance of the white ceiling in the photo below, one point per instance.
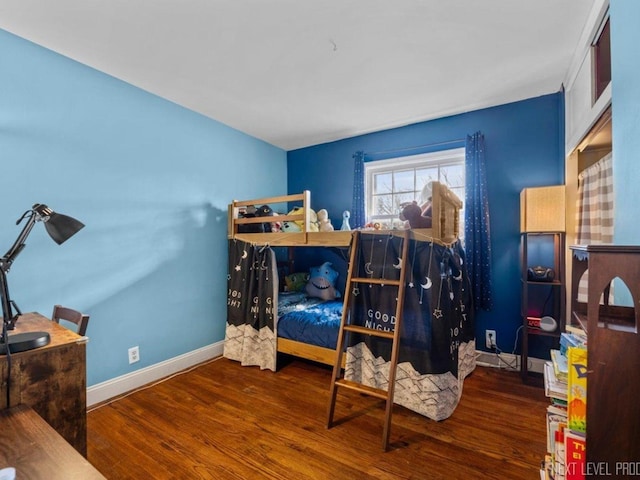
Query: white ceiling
(299, 72)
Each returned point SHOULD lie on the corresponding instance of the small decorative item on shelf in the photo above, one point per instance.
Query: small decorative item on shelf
(345, 220)
(540, 274)
(324, 221)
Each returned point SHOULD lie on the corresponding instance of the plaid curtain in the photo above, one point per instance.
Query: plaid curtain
(594, 209)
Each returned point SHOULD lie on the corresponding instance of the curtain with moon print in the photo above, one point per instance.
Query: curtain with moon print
(437, 339)
(252, 279)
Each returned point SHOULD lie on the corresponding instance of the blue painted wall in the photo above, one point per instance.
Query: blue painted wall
(523, 149)
(625, 93)
(150, 180)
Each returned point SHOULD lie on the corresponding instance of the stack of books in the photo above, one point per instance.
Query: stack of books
(565, 385)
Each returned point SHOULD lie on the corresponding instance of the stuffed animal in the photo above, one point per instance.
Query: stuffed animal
(276, 227)
(313, 219)
(296, 282)
(265, 211)
(324, 221)
(425, 197)
(345, 220)
(290, 227)
(250, 212)
(322, 281)
(397, 224)
(413, 214)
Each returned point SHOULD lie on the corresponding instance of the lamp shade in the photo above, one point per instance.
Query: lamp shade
(61, 227)
(542, 209)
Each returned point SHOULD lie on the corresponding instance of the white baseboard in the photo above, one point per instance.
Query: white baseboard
(507, 361)
(104, 391)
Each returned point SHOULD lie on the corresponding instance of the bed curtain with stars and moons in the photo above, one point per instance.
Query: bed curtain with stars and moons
(437, 341)
(252, 296)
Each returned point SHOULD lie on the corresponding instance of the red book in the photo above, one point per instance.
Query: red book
(575, 455)
(559, 456)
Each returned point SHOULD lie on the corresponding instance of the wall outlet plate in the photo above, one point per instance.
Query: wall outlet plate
(134, 354)
(490, 339)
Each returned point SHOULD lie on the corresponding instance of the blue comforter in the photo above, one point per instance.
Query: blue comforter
(309, 320)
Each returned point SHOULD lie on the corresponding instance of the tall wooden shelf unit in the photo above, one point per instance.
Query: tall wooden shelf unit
(613, 349)
(533, 309)
(542, 224)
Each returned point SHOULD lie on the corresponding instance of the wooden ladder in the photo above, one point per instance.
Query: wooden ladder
(337, 380)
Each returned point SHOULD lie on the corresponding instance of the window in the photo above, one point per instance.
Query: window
(601, 51)
(390, 183)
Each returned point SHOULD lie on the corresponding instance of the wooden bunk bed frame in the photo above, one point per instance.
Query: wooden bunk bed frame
(445, 230)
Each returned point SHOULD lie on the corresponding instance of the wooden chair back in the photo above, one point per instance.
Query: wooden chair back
(70, 315)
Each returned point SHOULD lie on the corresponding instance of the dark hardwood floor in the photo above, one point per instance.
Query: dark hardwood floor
(224, 421)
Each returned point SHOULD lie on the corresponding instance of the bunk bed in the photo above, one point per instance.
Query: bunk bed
(438, 336)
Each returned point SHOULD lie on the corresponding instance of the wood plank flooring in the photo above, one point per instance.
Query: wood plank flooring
(224, 421)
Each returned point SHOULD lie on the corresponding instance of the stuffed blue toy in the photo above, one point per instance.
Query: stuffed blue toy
(322, 282)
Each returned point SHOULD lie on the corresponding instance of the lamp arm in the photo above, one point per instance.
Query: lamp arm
(9, 320)
(18, 245)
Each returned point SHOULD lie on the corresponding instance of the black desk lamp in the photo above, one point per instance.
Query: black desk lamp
(60, 228)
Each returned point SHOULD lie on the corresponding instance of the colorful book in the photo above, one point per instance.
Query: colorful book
(575, 456)
(575, 330)
(559, 456)
(560, 366)
(577, 389)
(556, 420)
(546, 468)
(568, 340)
(553, 388)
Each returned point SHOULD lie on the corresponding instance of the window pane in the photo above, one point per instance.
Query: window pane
(424, 175)
(393, 182)
(452, 175)
(403, 181)
(459, 191)
(401, 198)
(382, 183)
(602, 69)
(383, 205)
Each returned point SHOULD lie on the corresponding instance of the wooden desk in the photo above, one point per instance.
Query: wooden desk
(36, 450)
(50, 379)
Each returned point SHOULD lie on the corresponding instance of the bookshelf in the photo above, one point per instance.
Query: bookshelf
(542, 299)
(542, 243)
(613, 343)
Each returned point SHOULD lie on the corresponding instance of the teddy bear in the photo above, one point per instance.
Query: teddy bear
(413, 214)
(324, 221)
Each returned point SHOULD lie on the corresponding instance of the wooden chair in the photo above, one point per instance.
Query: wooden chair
(71, 315)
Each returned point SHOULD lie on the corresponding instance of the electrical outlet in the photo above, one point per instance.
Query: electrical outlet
(134, 354)
(490, 339)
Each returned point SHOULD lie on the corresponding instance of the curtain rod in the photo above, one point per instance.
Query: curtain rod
(416, 147)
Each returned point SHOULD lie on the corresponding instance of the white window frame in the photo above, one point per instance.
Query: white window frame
(455, 156)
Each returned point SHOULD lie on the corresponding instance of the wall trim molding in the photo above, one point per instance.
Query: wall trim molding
(101, 392)
(507, 361)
